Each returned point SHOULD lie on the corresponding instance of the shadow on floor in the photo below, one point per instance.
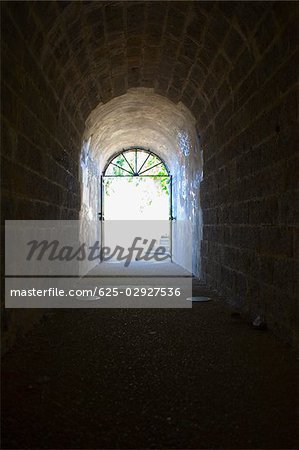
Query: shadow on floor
(150, 378)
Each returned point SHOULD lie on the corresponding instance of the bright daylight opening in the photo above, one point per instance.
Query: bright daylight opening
(136, 186)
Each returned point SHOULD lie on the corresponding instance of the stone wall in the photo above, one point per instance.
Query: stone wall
(40, 143)
(39, 146)
(249, 196)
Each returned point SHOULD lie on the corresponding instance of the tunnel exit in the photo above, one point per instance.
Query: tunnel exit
(136, 185)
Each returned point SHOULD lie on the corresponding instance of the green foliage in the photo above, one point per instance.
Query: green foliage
(151, 166)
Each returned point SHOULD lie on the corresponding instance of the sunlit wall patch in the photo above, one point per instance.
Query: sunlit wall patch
(184, 142)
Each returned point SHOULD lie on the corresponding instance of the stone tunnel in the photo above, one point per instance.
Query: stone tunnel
(210, 86)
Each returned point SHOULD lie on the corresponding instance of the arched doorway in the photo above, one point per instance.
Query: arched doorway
(136, 185)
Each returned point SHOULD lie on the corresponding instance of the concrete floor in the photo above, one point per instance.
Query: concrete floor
(149, 378)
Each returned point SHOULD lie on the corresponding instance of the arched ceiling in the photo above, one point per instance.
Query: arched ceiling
(93, 51)
(142, 118)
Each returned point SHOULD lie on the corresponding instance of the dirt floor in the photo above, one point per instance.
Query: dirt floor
(151, 378)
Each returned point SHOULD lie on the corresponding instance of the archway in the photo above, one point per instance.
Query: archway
(136, 185)
(144, 120)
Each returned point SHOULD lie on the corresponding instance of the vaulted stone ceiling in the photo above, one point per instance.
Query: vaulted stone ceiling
(192, 52)
(143, 118)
